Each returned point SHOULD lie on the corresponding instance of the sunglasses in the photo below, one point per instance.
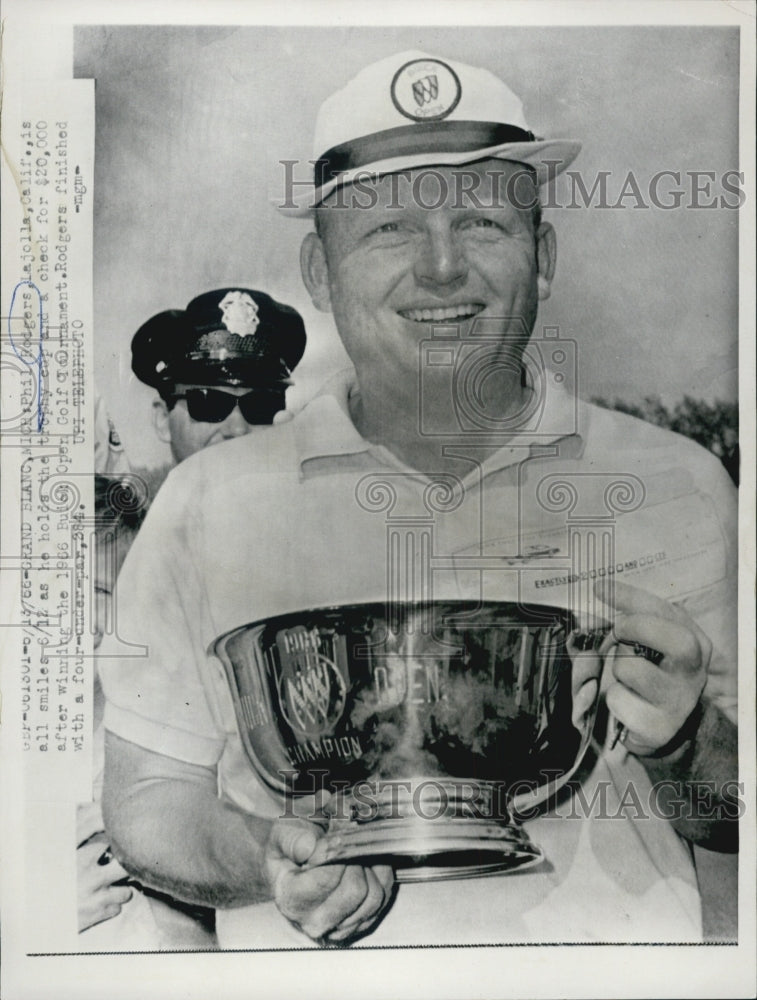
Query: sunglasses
(213, 406)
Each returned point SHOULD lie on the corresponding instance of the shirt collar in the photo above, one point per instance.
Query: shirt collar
(324, 427)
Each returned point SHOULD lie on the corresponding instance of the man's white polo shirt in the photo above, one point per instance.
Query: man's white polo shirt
(303, 516)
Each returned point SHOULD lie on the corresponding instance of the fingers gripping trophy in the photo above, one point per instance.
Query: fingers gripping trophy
(430, 724)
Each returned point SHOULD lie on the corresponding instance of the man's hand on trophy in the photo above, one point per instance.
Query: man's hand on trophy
(330, 903)
(659, 668)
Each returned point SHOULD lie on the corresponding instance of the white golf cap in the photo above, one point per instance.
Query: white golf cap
(416, 110)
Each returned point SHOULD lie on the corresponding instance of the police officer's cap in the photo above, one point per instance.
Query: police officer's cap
(229, 336)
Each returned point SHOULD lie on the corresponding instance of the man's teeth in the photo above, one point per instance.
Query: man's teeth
(441, 315)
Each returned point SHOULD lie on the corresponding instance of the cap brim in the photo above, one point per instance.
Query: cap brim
(547, 157)
(230, 372)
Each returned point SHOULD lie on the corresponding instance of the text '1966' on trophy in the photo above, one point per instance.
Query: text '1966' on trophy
(432, 724)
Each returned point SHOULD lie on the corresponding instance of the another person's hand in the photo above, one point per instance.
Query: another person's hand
(653, 700)
(98, 898)
(331, 903)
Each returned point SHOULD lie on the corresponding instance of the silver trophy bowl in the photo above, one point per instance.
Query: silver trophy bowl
(433, 725)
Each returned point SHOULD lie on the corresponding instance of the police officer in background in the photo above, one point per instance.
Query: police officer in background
(221, 366)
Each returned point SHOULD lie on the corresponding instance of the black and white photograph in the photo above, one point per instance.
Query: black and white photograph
(378, 412)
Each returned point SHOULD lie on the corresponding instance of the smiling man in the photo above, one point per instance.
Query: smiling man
(221, 366)
(395, 273)
(451, 463)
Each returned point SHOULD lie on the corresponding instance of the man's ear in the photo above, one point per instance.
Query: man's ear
(546, 259)
(315, 271)
(160, 420)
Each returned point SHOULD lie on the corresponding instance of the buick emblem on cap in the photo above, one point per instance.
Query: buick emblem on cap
(240, 313)
(426, 90)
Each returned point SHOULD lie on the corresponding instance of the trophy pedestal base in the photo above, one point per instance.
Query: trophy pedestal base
(424, 831)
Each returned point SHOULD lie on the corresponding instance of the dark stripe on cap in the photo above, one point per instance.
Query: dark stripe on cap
(425, 137)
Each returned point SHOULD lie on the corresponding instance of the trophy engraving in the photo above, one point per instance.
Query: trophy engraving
(422, 719)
